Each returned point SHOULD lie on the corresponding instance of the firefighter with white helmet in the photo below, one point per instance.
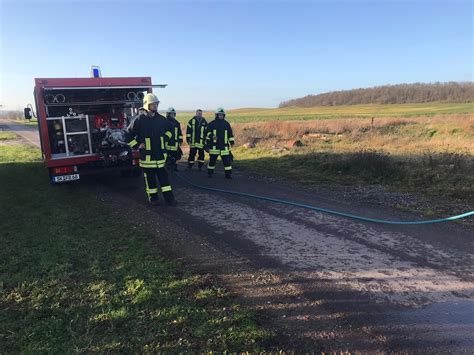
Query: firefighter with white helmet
(150, 132)
(219, 139)
(173, 147)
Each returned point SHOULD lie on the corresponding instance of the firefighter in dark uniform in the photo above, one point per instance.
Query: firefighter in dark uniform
(195, 137)
(173, 147)
(219, 139)
(150, 132)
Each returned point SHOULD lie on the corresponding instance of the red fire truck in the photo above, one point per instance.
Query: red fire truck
(82, 123)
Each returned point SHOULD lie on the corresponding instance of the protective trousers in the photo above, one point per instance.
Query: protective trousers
(151, 185)
(226, 160)
(192, 156)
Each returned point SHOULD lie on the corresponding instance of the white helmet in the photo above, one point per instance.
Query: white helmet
(220, 110)
(171, 110)
(150, 99)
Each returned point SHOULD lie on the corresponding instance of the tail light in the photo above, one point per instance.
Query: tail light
(64, 170)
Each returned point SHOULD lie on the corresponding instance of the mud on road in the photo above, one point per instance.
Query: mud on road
(323, 282)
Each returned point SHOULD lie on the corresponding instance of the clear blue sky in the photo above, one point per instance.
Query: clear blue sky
(236, 53)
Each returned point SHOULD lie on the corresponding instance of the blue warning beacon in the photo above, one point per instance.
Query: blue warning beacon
(96, 72)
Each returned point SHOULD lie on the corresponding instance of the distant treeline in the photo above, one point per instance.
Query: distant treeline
(390, 94)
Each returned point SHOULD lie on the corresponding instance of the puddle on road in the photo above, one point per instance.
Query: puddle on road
(448, 314)
(444, 326)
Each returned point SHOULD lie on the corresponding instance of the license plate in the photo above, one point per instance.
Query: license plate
(64, 178)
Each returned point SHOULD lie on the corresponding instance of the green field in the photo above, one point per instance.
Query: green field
(75, 278)
(349, 111)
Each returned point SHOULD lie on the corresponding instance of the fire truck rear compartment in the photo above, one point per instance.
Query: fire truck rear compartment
(90, 123)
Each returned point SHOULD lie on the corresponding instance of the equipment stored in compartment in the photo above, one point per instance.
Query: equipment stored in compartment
(83, 121)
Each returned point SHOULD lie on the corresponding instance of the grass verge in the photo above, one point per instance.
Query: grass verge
(7, 136)
(442, 175)
(75, 278)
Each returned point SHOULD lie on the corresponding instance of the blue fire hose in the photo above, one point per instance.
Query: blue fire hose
(319, 209)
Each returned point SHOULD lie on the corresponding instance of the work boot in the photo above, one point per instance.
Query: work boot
(228, 177)
(190, 166)
(176, 167)
(209, 175)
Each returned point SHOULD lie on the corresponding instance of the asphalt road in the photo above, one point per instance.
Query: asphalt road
(28, 133)
(326, 282)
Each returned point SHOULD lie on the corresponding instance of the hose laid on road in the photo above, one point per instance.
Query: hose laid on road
(324, 210)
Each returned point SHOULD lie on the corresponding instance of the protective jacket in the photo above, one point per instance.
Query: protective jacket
(195, 132)
(154, 132)
(177, 137)
(219, 137)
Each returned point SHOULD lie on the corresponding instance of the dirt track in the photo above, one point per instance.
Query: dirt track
(324, 282)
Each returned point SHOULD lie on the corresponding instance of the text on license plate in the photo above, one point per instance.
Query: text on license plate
(64, 178)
